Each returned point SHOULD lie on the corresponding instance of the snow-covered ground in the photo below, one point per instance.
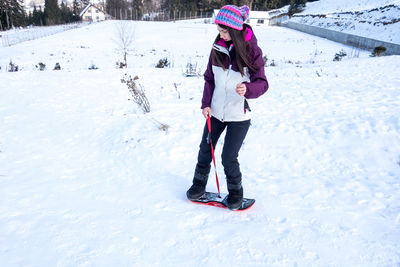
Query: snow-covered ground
(377, 19)
(86, 179)
(331, 6)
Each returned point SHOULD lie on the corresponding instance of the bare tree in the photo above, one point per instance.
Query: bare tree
(125, 38)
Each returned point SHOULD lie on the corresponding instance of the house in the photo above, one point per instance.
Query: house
(259, 18)
(93, 13)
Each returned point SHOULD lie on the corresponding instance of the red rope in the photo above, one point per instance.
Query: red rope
(212, 153)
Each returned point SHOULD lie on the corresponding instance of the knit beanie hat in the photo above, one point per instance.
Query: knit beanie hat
(232, 16)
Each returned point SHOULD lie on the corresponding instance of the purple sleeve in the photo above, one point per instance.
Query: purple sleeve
(258, 84)
(208, 85)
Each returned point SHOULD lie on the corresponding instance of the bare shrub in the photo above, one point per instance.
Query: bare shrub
(12, 67)
(41, 66)
(125, 38)
(176, 85)
(137, 92)
(163, 63)
(378, 51)
(161, 126)
(192, 70)
(339, 56)
(265, 58)
(120, 65)
(93, 67)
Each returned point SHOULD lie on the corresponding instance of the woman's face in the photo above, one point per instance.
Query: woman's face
(224, 34)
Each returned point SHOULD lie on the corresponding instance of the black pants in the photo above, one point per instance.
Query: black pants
(235, 134)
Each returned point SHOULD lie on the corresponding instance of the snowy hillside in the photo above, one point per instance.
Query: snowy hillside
(332, 6)
(378, 19)
(86, 179)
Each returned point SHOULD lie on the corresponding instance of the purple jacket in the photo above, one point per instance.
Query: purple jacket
(215, 76)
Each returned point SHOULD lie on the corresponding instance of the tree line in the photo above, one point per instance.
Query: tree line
(12, 14)
(123, 9)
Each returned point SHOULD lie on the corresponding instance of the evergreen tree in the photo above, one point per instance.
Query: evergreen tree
(137, 9)
(295, 6)
(37, 17)
(11, 14)
(65, 14)
(116, 8)
(75, 8)
(42, 17)
(52, 12)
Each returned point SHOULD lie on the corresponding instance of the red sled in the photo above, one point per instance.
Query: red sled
(213, 199)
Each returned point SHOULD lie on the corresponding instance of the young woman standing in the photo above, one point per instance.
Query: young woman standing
(234, 76)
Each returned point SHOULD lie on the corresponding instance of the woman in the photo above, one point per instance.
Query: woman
(234, 76)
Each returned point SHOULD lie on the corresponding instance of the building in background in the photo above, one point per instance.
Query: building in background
(93, 13)
(259, 18)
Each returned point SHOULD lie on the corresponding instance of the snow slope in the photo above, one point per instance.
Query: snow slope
(86, 179)
(377, 19)
(332, 6)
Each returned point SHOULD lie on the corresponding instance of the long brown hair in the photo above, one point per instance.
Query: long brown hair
(241, 48)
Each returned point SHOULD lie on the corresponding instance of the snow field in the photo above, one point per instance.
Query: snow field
(88, 180)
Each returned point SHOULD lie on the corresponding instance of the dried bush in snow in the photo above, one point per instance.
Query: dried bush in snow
(12, 67)
(161, 126)
(339, 56)
(163, 63)
(120, 65)
(93, 67)
(176, 85)
(41, 66)
(192, 70)
(379, 51)
(265, 58)
(137, 92)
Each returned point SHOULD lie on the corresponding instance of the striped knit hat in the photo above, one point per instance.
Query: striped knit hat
(233, 16)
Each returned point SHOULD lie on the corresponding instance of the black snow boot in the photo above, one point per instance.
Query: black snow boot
(199, 186)
(235, 197)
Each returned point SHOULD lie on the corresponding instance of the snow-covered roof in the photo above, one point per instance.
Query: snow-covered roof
(259, 15)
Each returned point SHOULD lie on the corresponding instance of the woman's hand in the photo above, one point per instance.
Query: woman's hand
(206, 112)
(241, 89)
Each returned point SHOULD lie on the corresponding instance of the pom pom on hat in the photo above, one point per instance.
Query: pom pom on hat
(233, 16)
(245, 12)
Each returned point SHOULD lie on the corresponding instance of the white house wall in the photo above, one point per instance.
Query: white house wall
(93, 14)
